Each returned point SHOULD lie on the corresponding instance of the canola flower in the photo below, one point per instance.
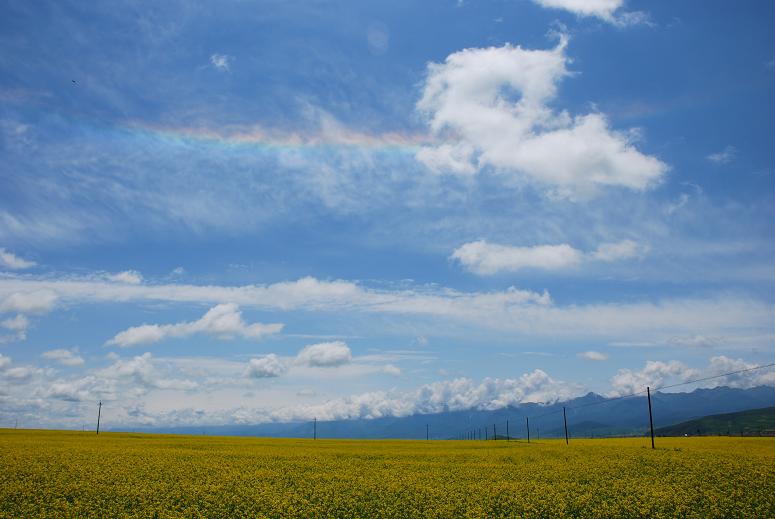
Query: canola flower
(74, 474)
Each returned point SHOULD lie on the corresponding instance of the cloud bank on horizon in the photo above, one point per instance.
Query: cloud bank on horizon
(372, 222)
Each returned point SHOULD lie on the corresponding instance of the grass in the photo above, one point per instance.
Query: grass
(74, 474)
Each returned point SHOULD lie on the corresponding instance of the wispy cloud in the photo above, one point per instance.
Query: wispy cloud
(724, 156)
(513, 309)
(593, 356)
(12, 261)
(221, 61)
(66, 357)
(485, 258)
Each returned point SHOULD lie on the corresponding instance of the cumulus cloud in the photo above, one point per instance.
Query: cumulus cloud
(325, 354)
(722, 364)
(64, 356)
(452, 395)
(491, 106)
(223, 321)
(593, 355)
(131, 277)
(5, 361)
(128, 379)
(483, 258)
(657, 373)
(266, 367)
(221, 61)
(12, 261)
(34, 302)
(486, 258)
(724, 156)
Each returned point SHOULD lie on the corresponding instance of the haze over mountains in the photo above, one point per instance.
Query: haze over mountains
(589, 415)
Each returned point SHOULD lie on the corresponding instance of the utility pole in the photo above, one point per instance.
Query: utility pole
(427, 432)
(99, 412)
(507, 430)
(315, 428)
(565, 421)
(527, 423)
(651, 419)
(16, 423)
(494, 434)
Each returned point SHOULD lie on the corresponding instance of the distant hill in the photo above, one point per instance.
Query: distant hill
(755, 422)
(589, 415)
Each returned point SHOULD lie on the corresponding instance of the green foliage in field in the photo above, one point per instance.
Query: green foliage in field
(755, 422)
(68, 474)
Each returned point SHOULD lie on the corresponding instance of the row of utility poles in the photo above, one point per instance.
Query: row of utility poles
(472, 434)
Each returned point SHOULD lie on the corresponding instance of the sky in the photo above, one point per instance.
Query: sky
(254, 211)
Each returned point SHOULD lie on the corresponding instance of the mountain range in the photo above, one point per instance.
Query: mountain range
(591, 415)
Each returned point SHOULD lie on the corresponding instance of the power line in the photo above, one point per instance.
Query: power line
(645, 391)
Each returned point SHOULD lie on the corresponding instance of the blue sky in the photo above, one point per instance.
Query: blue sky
(237, 212)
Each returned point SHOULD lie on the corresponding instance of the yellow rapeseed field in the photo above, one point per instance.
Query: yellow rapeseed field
(74, 474)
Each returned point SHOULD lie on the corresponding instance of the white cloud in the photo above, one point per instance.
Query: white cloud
(34, 302)
(390, 369)
(452, 395)
(625, 249)
(469, 100)
(125, 380)
(325, 354)
(696, 341)
(486, 258)
(5, 361)
(64, 356)
(221, 61)
(12, 261)
(223, 321)
(674, 207)
(722, 364)
(605, 10)
(654, 374)
(723, 157)
(266, 367)
(515, 310)
(131, 277)
(593, 355)
(17, 324)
